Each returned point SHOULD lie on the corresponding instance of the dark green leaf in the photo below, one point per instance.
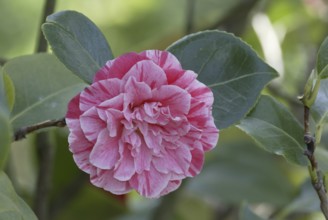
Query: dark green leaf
(322, 59)
(245, 213)
(229, 67)
(12, 206)
(77, 42)
(276, 130)
(43, 88)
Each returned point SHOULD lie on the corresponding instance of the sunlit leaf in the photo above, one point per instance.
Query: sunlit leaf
(43, 87)
(229, 67)
(319, 110)
(276, 130)
(77, 42)
(322, 59)
(245, 213)
(12, 206)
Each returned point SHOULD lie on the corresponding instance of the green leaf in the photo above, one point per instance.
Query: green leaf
(319, 110)
(229, 67)
(43, 88)
(322, 60)
(245, 213)
(276, 130)
(12, 206)
(77, 42)
(238, 171)
(9, 91)
(5, 138)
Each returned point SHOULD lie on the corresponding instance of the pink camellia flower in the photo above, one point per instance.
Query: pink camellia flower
(143, 124)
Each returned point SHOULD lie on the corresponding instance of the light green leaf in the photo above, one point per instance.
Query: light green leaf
(77, 42)
(322, 60)
(43, 88)
(245, 213)
(319, 110)
(229, 67)
(12, 206)
(275, 129)
(9, 91)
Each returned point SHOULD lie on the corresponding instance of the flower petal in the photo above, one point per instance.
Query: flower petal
(142, 158)
(163, 59)
(197, 160)
(91, 124)
(104, 179)
(118, 67)
(147, 72)
(150, 183)
(104, 154)
(73, 110)
(125, 168)
(99, 92)
(136, 93)
(171, 186)
(177, 99)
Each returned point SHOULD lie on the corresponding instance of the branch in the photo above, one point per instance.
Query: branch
(22, 132)
(317, 178)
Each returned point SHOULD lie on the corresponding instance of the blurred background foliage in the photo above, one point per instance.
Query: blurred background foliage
(239, 180)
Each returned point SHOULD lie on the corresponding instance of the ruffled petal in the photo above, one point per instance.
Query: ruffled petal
(125, 168)
(91, 124)
(73, 110)
(104, 154)
(163, 59)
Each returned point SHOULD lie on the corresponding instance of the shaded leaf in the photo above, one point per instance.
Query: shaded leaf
(9, 91)
(238, 171)
(12, 206)
(275, 129)
(245, 213)
(229, 67)
(77, 42)
(43, 88)
(319, 110)
(322, 59)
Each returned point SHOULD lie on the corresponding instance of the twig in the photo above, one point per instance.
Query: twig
(22, 132)
(45, 155)
(48, 9)
(317, 178)
(190, 16)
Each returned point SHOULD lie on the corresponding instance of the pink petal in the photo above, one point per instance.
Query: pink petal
(73, 110)
(197, 160)
(181, 78)
(82, 160)
(177, 99)
(154, 142)
(175, 160)
(171, 186)
(104, 179)
(201, 92)
(104, 154)
(142, 158)
(91, 124)
(125, 169)
(147, 72)
(163, 59)
(99, 92)
(136, 93)
(210, 135)
(150, 183)
(118, 67)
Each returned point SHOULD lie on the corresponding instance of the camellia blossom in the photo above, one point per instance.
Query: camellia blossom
(143, 124)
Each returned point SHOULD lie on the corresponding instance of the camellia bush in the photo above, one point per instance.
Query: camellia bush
(143, 125)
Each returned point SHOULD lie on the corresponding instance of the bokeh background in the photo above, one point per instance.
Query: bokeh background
(237, 175)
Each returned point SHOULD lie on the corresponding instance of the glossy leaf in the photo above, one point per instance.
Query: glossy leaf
(238, 171)
(77, 42)
(319, 110)
(12, 206)
(276, 130)
(245, 213)
(322, 59)
(43, 88)
(229, 67)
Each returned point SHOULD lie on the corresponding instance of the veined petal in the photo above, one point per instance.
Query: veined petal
(150, 183)
(99, 92)
(118, 67)
(142, 158)
(73, 110)
(136, 92)
(197, 160)
(201, 92)
(104, 179)
(163, 59)
(104, 154)
(177, 99)
(147, 72)
(91, 124)
(125, 167)
(171, 186)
